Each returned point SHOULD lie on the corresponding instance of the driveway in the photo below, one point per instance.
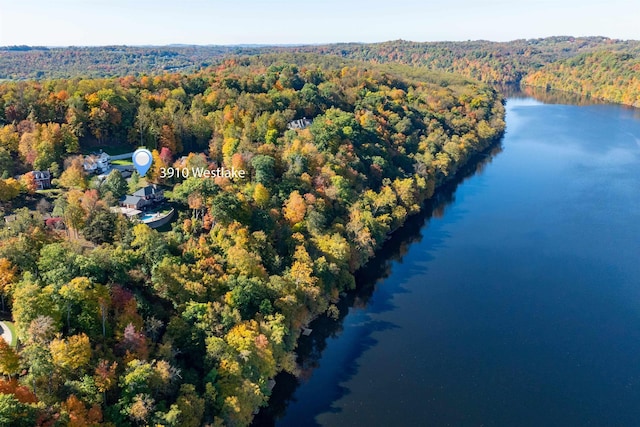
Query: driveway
(6, 333)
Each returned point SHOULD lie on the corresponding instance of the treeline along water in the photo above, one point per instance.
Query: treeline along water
(513, 300)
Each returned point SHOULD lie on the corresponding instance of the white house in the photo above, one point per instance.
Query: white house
(97, 163)
(302, 123)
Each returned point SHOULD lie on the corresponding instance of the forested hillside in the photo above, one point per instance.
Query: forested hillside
(611, 76)
(119, 324)
(595, 67)
(24, 62)
(492, 62)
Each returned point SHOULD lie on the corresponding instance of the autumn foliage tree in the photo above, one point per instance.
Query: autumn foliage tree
(295, 208)
(8, 276)
(9, 189)
(81, 416)
(9, 359)
(71, 354)
(74, 175)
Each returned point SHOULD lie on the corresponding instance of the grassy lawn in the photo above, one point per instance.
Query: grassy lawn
(123, 162)
(52, 192)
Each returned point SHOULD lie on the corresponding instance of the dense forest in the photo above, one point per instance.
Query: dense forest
(598, 67)
(611, 76)
(120, 324)
(491, 62)
(25, 62)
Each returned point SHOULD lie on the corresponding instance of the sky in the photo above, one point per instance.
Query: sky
(161, 22)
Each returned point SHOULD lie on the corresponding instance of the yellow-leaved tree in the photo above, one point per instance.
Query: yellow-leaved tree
(9, 359)
(72, 354)
(74, 176)
(7, 278)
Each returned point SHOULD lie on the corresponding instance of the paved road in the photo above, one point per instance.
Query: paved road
(6, 332)
(121, 168)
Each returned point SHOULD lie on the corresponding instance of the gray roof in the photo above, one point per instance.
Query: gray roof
(146, 191)
(41, 175)
(131, 200)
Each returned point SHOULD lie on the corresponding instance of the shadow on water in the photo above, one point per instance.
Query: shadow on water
(310, 348)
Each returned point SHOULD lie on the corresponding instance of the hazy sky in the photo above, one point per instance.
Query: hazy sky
(101, 22)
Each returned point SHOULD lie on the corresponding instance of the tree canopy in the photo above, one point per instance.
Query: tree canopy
(123, 324)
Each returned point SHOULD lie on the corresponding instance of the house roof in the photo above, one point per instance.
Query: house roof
(299, 123)
(146, 191)
(41, 174)
(131, 200)
(94, 159)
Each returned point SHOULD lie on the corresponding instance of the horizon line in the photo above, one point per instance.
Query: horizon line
(262, 45)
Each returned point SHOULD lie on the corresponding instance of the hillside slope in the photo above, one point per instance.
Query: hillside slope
(606, 75)
(187, 327)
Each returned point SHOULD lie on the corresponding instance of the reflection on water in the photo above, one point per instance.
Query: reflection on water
(514, 91)
(557, 97)
(310, 348)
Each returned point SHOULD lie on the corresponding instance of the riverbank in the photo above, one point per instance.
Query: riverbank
(263, 257)
(310, 348)
(494, 307)
(475, 160)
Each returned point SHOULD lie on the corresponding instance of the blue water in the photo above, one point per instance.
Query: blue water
(516, 304)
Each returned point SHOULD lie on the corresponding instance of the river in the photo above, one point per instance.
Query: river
(513, 300)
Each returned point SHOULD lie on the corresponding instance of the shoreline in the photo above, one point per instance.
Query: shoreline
(446, 188)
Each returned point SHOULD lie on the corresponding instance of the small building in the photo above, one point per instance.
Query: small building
(302, 123)
(97, 163)
(42, 179)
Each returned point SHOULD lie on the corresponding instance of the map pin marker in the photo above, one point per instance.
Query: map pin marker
(142, 160)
